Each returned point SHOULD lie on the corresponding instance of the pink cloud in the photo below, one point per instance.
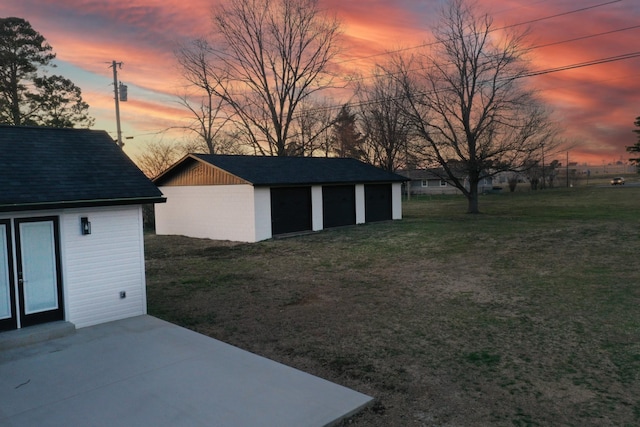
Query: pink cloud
(597, 104)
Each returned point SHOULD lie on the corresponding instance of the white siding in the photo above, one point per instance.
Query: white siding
(239, 212)
(98, 266)
(396, 200)
(360, 204)
(221, 212)
(262, 210)
(317, 222)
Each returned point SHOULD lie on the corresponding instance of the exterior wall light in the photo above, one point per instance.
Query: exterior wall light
(85, 225)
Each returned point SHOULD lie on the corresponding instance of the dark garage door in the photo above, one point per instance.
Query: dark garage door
(377, 202)
(338, 205)
(290, 210)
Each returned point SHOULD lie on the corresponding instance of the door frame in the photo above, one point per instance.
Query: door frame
(49, 315)
(11, 322)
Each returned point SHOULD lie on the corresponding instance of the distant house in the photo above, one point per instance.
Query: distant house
(432, 181)
(71, 233)
(252, 198)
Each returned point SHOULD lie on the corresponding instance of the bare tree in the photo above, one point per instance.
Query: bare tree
(157, 156)
(207, 108)
(468, 102)
(386, 129)
(225, 143)
(266, 58)
(311, 130)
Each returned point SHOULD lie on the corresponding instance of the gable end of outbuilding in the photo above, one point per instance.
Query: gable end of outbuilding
(193, 171)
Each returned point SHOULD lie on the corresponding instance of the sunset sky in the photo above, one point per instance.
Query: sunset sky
(596, 104)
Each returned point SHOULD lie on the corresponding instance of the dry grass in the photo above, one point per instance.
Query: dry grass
(526, 315)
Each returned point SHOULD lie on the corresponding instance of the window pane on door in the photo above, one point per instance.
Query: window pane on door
(37, 246)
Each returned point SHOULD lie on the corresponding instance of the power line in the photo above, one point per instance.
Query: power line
(531, 74)
(589, 36)
(534, 73)
(560, 14)
(567, 86)
(531, 21)
(584, 64)
(528, 22)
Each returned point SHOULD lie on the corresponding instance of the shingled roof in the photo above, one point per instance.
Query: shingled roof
(279, 171)
(44, 168)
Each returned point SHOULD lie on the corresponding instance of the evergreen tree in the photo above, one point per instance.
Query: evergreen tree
(347, 141)
(26, 97)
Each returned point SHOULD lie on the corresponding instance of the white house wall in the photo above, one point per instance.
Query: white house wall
(99, 266)
(220, 212)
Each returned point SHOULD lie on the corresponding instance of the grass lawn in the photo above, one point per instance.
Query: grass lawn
(525, 315)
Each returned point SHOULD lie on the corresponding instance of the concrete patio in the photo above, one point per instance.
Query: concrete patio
(143, 371)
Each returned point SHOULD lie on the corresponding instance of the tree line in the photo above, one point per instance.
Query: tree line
(635, 148)
(461, 106)
(259, 85)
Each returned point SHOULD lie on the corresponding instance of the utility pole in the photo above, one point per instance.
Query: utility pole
(567, 169)
(115, 66)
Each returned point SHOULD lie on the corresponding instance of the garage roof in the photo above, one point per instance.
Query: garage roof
(278, 171)
(43, 168)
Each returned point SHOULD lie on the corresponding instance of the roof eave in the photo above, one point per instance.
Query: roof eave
(14, 207)
(298, 184)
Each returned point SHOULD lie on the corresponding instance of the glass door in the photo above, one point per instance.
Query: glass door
(38, 267)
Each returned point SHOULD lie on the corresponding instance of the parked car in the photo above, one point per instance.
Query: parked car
(617, 181)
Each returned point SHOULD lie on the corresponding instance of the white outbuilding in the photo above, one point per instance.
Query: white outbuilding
(253, 198)
(71, 228)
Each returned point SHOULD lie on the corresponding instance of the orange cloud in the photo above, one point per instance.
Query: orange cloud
(597, 104)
